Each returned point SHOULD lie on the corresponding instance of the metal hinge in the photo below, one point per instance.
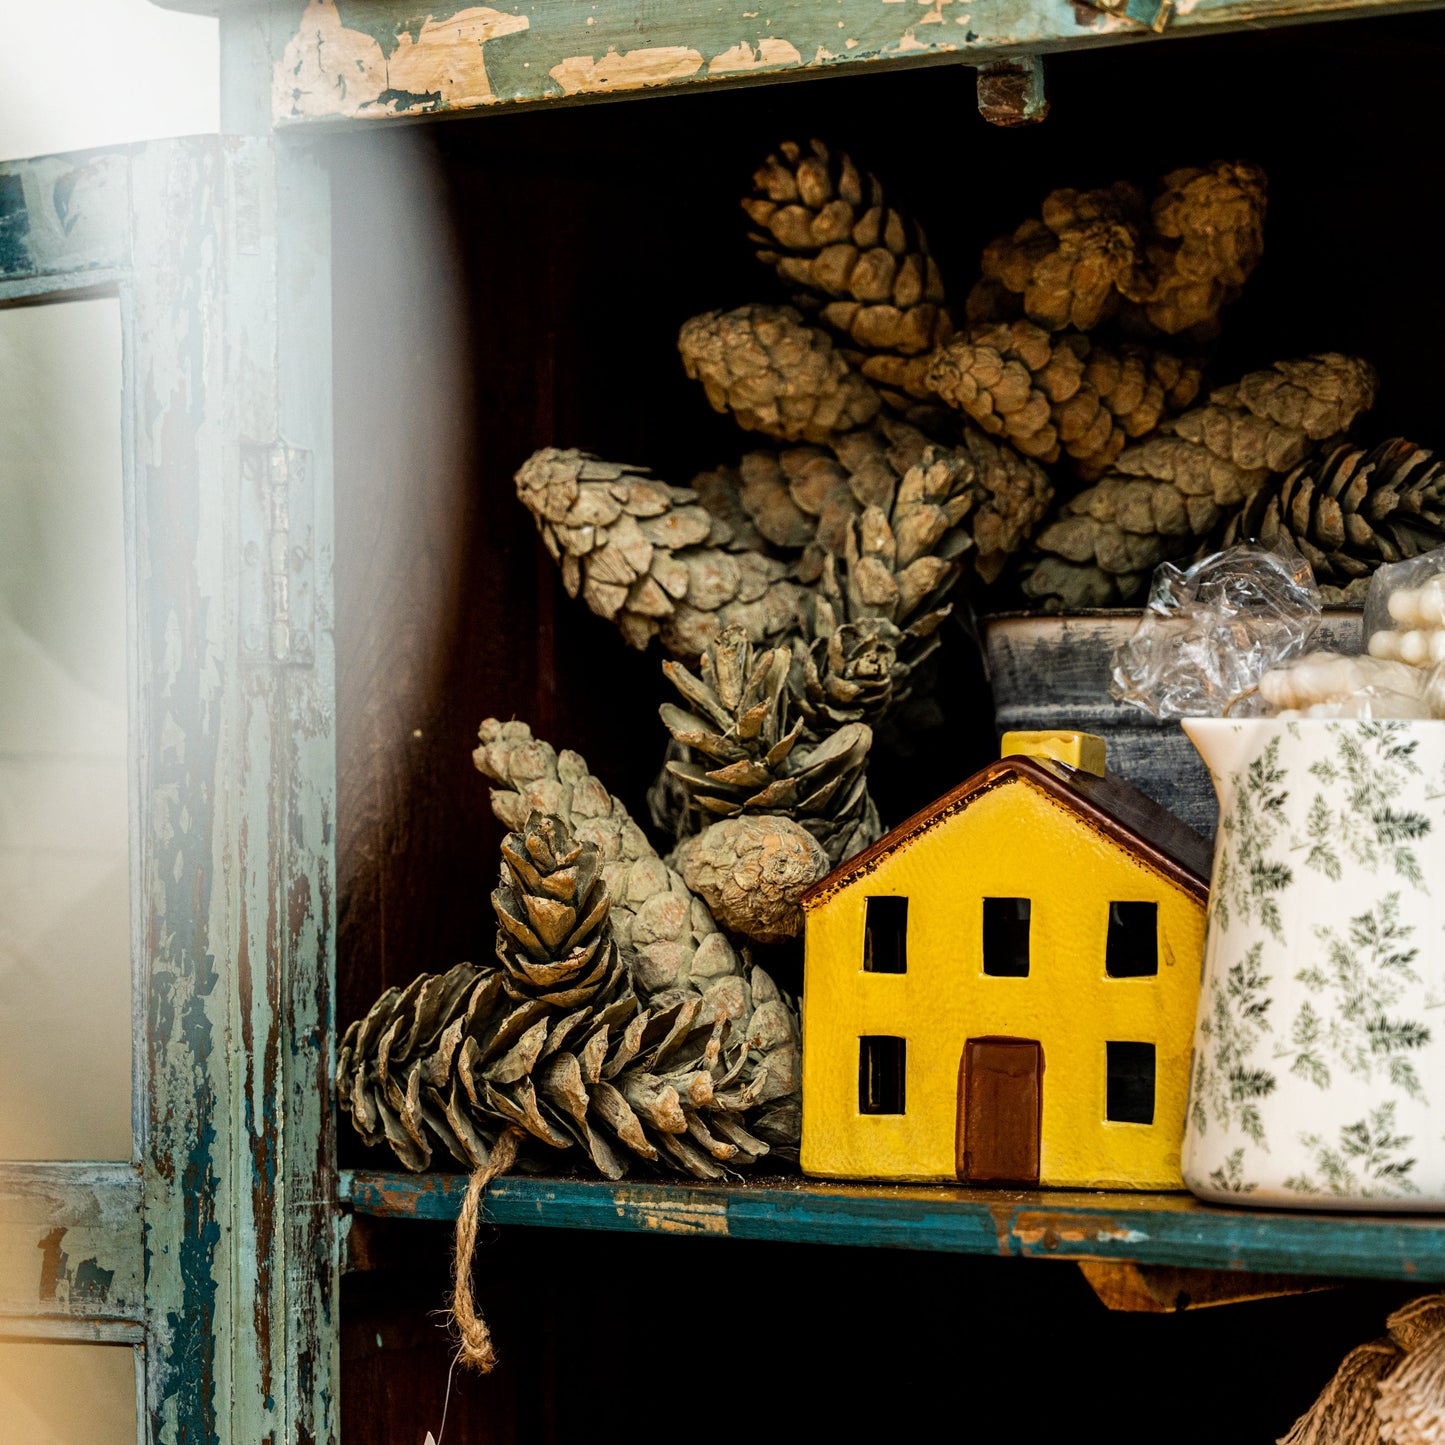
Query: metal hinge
(278, 554)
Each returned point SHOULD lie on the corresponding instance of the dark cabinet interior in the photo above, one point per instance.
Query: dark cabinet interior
(511, 281)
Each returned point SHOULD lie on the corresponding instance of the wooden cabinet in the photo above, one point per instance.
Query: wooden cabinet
(342, 335)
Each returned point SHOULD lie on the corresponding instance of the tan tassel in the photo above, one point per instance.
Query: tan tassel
(1344, 1414)
(1411, 1402)
(476, 1339)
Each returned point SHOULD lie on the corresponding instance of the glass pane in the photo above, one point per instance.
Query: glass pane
(67, 1394)
(65, 1074)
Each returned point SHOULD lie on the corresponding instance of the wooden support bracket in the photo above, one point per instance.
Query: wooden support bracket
(1167, 1289)
(1011, 92)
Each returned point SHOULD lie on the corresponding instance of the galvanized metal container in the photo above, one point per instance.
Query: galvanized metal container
(1053, 672)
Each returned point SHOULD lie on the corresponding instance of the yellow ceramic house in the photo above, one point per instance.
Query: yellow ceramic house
(1002, 989)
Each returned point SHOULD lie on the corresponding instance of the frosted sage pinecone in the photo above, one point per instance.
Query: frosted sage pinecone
(827, 231)
(1051, 393)
(1205, 237)
(746, 753)
(1350, 511)
(854, 671)
(649, 556)
(1069, 269)
(775, 374)
(1176, 487)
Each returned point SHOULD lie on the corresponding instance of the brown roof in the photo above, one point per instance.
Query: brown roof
(1110, 804)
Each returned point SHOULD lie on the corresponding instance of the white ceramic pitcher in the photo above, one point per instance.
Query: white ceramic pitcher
(1318, 1077)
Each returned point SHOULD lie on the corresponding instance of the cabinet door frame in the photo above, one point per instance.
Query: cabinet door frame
(214, 1250)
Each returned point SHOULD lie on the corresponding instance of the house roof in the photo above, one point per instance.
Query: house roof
(1108, 803)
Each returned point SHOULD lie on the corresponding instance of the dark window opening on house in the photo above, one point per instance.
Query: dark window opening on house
(1133, 947)
(1006, 937)
(881, 1064)
(1129, 1095)
(885, 936)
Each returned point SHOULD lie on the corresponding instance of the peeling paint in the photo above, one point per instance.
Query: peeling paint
(771, 52)
(626, 70)
(330, 69)
(677, 1216)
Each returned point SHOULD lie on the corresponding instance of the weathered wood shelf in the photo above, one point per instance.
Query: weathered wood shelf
(1166, 1229)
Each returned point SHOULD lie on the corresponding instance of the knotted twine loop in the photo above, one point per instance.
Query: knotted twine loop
(475, 1348)
(1411, 1400)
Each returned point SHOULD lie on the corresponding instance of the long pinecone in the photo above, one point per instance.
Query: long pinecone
(674, 1080)
(746, 753)
(1069, 269)
(775, 374)
(1051, 393)
(649, 556)
(827, 231)
(1167, 492)
(1206, 236)
(672, 940)
(1350, 511)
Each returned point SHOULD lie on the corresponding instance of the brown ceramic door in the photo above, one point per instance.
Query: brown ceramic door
(1000, 1097)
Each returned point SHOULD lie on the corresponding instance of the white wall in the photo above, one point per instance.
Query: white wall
(73, 74)
(81, 73)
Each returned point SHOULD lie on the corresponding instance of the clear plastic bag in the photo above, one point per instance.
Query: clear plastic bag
(1212, 630)
(1405, 611)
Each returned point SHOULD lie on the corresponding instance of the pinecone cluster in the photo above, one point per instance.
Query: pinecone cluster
(1163, 266)
(1166, 495)
(846, 255)
(554, 1040)
(745, 751)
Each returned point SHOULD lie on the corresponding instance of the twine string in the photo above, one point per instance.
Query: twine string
(475, 1347)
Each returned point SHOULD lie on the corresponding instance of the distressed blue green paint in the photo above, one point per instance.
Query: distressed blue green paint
(338, 60)
(71, 1263)
(1171, 1229)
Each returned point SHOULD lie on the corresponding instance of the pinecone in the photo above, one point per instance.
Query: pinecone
(853, 672)
(649, 556)
(1350, 511)
(827, 231)
(382, 1064)
(1048, 393)
(1067, 270)
(1206, 235)
(1167, 492)
(776, 374)
(552, 908)
(668, 935)
(753, 760)
(690, 1082)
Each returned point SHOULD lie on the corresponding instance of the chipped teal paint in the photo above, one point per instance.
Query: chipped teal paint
(580, 52)
(1172, 1229)
(219, 1250)
(71, 1256)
